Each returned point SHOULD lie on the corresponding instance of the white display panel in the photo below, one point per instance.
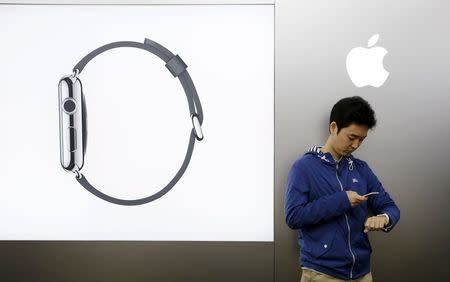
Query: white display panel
(139, 123)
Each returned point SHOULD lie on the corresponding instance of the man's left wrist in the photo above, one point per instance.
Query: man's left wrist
(388, 220)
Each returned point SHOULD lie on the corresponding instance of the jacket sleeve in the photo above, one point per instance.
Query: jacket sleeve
(300, 211)
(381, 203)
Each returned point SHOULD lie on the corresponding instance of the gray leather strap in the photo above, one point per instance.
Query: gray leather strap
(85, 183)
(178, 68)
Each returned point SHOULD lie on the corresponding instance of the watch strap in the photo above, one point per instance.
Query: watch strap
(173, 63)
(88, 186)
(178, 69)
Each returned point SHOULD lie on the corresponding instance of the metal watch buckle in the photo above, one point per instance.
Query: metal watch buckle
(197, 127)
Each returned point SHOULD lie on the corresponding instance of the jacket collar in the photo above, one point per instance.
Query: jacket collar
(328, 158)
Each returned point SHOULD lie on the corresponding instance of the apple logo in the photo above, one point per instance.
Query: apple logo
(365, 65)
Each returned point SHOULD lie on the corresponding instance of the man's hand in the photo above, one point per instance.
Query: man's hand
(375, 223)
(355, 199)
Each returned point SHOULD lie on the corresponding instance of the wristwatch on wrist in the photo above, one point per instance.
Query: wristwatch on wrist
(73, 117)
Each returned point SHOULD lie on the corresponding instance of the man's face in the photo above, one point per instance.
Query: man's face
(349, 138)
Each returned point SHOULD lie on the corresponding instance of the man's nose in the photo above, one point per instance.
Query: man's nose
(355, 145)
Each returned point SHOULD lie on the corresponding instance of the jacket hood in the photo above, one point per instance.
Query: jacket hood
(327, 158)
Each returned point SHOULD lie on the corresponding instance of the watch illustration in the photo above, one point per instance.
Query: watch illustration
(73, 117)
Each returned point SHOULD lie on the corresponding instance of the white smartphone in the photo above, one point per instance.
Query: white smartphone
(371, 193)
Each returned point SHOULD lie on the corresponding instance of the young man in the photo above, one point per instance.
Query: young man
(327, 201)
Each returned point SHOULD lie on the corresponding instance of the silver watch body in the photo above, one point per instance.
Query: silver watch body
(72, 123)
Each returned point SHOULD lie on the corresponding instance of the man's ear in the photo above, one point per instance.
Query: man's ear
(333, 128)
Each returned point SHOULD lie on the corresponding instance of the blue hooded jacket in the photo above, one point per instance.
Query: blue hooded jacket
(331, 233)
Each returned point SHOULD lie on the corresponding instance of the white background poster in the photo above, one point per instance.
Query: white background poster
(139, 123)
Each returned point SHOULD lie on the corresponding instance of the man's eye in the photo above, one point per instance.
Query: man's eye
(351, 138)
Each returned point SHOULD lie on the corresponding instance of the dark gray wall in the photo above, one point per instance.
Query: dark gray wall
(135, 261)
(408, 150)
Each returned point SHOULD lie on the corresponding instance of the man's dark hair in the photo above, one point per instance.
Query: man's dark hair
(352, 110)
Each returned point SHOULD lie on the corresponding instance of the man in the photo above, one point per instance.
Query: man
(327, 201)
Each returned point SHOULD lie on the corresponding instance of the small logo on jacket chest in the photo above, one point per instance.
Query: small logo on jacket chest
(354, 180)
(324, 158)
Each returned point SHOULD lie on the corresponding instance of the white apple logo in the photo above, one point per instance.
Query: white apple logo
(365, 65)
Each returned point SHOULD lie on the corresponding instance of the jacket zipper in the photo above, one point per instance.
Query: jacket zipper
(348, 226)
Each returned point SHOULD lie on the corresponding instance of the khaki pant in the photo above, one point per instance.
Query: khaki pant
(312, 276)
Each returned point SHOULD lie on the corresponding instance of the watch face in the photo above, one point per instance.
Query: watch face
(72, 122)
